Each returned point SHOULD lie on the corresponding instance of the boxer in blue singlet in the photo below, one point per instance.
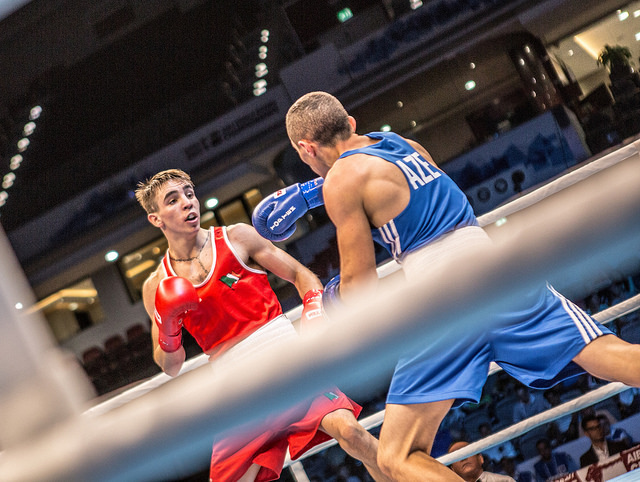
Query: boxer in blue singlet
(391, 184)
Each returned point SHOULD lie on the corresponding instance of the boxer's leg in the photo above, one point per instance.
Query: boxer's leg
(610, 358)
(251, 474)
(406, 439)
(342, 425)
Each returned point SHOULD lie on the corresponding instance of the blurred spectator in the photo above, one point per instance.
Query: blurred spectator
(595, 303)
(510, 468)
(552, 462)
(617, 434)
(441, 442)
(348, 473)
(617, 292)
(629, 402)
(563, 429)
(496, 453)
(471, 469)
(454, 423)
(528, 404)
(601, 448)
(592, 412)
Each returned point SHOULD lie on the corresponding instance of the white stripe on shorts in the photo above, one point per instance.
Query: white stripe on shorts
(586, 326)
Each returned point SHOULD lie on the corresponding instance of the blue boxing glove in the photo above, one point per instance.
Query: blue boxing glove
(331, 297)
(276, 215)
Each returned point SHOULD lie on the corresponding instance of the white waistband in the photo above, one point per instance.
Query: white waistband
(278, 329)
(432, 254)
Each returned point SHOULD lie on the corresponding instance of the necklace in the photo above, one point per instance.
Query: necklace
(196, 257)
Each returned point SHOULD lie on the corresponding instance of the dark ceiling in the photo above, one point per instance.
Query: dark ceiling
(96, 110)
(144, 75)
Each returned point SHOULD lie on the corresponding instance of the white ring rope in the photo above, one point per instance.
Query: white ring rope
(562, 182)
(618, 310)
(537, 420)
(170, 425)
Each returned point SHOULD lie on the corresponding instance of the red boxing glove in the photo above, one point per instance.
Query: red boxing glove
(311, 309)
(175, 296)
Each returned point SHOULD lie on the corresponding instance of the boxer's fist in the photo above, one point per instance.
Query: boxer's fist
(311, 309)
(175, 296)
(276, 215)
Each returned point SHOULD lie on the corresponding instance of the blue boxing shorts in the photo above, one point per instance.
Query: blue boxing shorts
(535, 345)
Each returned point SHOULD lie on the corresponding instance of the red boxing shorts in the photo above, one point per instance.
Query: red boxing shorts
(297, 430)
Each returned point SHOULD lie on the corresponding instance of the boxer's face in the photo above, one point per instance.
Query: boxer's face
(469, 467)
(178, 207)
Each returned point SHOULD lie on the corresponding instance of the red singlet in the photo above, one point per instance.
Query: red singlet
(235, 300)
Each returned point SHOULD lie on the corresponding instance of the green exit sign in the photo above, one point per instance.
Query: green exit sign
(344, 15)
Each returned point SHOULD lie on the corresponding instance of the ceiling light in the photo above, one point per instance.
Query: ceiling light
(470, 85)
(211, 203)
(636, 13)
(385, 128)
(623, 15)
(29, 127)
(23, 144)
(111, 256)
(15, 162)
(261, 70)
(8, 179)
(207, 216)
(35, 112)
(399, 104)
(472, 65)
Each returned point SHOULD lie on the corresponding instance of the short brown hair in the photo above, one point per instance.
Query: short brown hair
(318, 117)
(146, 190)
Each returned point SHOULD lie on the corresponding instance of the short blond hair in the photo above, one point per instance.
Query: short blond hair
(318, 117)
(146, 190)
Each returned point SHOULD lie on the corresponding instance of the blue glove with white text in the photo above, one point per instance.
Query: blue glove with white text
(276, 215)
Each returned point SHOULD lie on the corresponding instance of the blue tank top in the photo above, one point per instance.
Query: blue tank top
(437, 205)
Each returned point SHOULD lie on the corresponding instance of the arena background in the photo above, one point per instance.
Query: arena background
(95, 97)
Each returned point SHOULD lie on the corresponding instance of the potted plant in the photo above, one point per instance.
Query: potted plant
(617, 59)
